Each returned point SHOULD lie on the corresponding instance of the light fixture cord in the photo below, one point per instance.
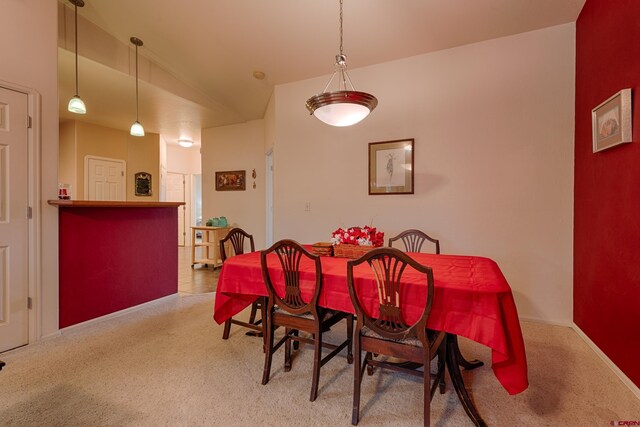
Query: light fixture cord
(137, 82)
(341, 27)
(76, 41)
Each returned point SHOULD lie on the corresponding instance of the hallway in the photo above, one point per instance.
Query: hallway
(197, 280)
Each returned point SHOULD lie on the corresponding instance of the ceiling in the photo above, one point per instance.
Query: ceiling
(215, 46)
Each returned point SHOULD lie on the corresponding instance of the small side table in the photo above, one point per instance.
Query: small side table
(210, 245)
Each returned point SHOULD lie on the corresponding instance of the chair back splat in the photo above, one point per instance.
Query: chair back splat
(297, 272)
(414, 239)
(378, 296)
(236, 238)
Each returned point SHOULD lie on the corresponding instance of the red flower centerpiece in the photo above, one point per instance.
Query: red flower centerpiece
(353, 242)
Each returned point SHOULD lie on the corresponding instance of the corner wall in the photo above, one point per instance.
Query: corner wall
(228, 148)
(493, 128)
(28, 30)
(607, 194)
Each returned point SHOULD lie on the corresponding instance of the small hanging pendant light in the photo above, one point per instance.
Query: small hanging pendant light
(76, 105)
(343, 107)
(136, 127)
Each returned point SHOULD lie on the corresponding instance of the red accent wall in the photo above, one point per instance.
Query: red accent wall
(607, 186)
(115, 258)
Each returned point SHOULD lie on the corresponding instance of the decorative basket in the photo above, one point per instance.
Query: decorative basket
(344, 250)
(322, 249)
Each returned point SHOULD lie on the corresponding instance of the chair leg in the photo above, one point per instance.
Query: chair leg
(269, 350)
(441, 367)
(357, 381)
(296, 344)
(254, 310)
(263, 316)
(287, 351)
(350, 339)
(427, 389)
(317, 358)
(227, 329)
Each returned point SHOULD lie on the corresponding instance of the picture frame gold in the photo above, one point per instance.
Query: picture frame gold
(391, 167)
(611, 121)
(231, 180)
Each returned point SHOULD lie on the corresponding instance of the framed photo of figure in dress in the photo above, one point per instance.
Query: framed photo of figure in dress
(391, 167)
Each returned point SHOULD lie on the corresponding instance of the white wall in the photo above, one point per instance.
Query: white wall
(236, 147)
(493, 126)
(28, 30)
(183, 160)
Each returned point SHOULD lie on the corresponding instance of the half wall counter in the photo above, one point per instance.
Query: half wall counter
(114, 255)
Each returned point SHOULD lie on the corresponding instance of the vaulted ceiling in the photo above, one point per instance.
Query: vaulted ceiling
(213, 48)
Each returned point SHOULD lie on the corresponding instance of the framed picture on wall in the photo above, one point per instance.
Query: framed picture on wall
(611, 121)
(391, 167)
(230, 181)
(142, 184)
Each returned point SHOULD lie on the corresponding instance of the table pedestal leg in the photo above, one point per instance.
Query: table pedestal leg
(466, 364)
(453, 365)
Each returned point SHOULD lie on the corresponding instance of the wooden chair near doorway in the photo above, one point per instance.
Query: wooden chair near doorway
(236, 238)
(381, 328)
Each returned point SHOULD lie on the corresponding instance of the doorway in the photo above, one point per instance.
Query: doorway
(269, 197)
(176, 183)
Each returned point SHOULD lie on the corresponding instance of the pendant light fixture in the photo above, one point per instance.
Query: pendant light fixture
(343, 107)
(136, 127)
(76, 105)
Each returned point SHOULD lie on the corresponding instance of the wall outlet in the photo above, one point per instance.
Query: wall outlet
(307, 207)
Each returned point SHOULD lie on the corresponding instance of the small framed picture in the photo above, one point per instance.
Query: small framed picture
(142, 184)
(391, 167)
(611, 121)
(230, 181)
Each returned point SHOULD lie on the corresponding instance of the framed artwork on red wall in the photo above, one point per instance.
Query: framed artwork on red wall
(611, 121)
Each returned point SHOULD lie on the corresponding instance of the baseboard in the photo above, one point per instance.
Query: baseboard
(119, 313)
(625, 379)
(546, 322)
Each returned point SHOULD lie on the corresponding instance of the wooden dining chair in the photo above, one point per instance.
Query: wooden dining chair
(287, 308)
(381, 328)
(236, 238)
(413, 240)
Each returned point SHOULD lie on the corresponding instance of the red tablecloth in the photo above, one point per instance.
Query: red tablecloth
(472, 299)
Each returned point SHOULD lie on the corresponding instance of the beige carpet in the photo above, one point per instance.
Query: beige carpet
(167, 365)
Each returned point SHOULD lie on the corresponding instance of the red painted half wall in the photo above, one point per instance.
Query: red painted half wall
(606, 301)
(115, 258)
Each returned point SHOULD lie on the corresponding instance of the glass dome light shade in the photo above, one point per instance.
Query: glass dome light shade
(76, 105)
(341, 108)
(137, 129)
(186, 143)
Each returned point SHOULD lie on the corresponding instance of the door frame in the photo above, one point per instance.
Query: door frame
(34, 261)
(186, 208)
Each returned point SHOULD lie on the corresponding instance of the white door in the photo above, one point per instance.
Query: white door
(175, 193)
(104, 179)
(14, 232)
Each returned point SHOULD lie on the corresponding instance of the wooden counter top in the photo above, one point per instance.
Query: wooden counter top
(110, 204)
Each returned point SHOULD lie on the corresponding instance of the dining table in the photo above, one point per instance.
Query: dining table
(472, 299)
